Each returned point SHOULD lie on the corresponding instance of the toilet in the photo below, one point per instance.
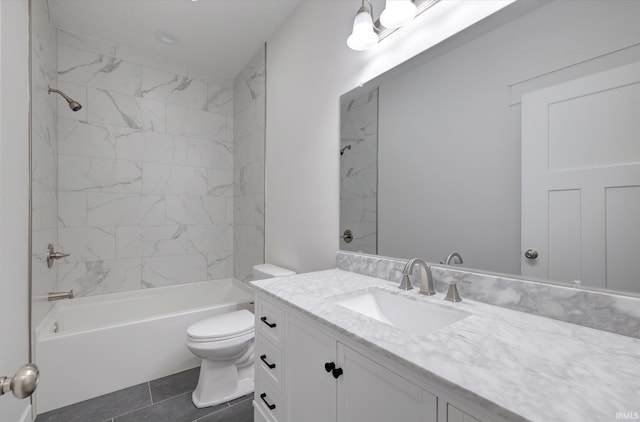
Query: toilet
(225, 345)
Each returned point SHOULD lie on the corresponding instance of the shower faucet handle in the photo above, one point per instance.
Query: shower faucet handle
(51, 255)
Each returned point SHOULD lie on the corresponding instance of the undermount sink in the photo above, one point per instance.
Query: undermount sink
(402, 312)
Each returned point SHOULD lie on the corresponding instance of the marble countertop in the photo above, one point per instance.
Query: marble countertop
(513, 364)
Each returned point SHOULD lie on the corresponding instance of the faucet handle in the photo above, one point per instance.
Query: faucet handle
(452, 292)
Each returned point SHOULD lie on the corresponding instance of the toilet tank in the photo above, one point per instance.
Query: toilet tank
(263, 271)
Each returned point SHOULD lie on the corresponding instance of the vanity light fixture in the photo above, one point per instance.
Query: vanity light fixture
(397, 13)
(364, 35)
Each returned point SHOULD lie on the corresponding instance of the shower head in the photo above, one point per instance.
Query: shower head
(342, 150)
(73, 105)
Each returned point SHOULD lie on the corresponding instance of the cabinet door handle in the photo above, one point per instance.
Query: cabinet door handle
(264, 319)
(329, 366)
(264, 359)
(337, 372)
(270, 406)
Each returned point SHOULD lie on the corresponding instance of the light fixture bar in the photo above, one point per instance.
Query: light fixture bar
(421, 6)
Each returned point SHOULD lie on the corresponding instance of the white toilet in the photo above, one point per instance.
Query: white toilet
(225, 344)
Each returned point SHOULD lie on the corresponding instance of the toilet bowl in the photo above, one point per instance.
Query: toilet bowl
(225, 345)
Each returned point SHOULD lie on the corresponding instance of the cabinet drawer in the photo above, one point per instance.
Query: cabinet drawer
(269, 321)
(269, 359)
(259, 415)
(267, 399)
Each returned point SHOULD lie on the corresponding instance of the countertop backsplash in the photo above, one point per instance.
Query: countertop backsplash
(600, 310)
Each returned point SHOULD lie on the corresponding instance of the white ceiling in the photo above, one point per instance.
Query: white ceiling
(220, 35)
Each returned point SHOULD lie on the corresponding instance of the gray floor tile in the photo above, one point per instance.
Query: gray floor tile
(174, 385)
(177, 409)
(239, 399)
(101, 408)
(240, 412)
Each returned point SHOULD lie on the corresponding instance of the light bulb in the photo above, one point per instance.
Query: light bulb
(363, 37)
(397, 13)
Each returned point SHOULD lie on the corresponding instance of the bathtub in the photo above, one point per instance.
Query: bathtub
(90, 346)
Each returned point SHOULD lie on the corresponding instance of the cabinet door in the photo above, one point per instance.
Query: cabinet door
(368, 392)
(310, 391)
(456, 415)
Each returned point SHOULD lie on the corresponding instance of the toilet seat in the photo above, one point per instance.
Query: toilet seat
(222, 327)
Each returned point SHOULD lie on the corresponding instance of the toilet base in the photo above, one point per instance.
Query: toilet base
(245, 387)
(222, 382)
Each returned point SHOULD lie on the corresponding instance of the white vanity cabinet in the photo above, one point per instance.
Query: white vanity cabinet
(322, 379)
(328, 381)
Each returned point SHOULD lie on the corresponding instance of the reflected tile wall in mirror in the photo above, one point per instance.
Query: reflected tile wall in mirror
(359, 172)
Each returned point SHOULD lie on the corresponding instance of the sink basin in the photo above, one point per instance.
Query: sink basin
(402, 312)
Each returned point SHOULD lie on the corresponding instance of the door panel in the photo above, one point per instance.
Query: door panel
(14, 199)
(579, 145)
(310, 390)
(368, 392)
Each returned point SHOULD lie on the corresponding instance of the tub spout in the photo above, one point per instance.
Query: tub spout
(59, 295)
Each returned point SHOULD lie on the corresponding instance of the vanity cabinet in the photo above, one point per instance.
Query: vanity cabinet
(321, 379)
(456, 415)
(326, 380)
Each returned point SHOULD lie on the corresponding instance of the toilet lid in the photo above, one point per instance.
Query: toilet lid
(227, 325)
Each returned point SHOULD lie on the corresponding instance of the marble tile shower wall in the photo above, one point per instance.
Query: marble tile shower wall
(358, 172)
(44, 157)
(145, 170)
(248, 181)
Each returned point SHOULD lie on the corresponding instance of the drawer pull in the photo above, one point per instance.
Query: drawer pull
(264, 319)
(263, 358)
(270, 406)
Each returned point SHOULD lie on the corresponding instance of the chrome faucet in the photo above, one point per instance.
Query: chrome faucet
(426, 279)
(451, 257)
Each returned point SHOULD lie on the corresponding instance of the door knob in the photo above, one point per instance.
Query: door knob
(337, 372)
(329, 366)
(531, 254)
(23, 383)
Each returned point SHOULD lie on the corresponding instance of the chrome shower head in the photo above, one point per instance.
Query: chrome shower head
(73, 105)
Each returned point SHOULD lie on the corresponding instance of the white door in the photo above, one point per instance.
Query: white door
(14, 199)
(581, 180)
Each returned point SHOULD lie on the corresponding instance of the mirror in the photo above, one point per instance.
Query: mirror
(435, 155)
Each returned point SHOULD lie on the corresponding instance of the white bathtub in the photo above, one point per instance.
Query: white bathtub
(109, 342)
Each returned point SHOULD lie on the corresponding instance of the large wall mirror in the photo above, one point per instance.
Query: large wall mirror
(515, 143)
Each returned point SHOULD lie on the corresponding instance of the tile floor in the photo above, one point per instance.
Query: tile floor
(166, 399)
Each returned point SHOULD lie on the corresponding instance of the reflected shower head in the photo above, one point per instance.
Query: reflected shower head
(73, 105)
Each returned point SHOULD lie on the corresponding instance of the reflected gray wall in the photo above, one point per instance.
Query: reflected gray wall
(249, 99)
